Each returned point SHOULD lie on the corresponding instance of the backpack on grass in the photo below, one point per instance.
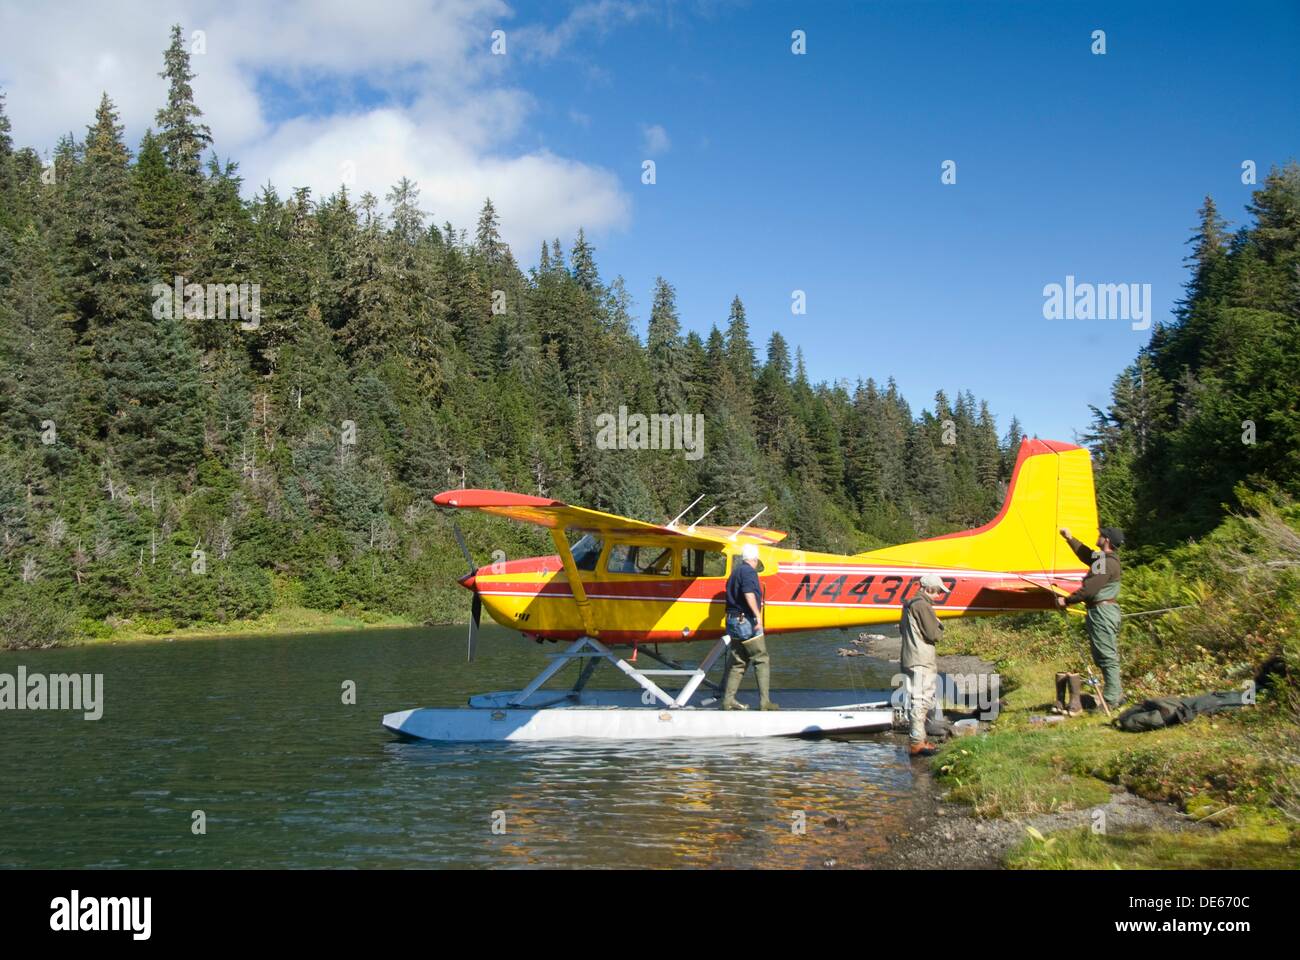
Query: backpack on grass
(1170, 711)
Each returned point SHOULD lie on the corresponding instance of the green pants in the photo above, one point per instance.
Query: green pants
(1102, 625)
(741, 654)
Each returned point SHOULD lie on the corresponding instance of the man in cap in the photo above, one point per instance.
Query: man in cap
(920, 630)
(1099, 592)
(745, 628)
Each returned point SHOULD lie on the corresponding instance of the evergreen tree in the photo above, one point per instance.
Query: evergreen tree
(8, 178)
(382, 371)
(487, 236)
(583, 263)
(778, 356)
(1210, 404)
(6, 141)
(740, 360)
(35, 357)
(925, 477)
(663, 341)
(695, 364)
(183, 138)
(774, 404)
(987, 454)
(1209, 247)
(827, 441)
(1011, 446)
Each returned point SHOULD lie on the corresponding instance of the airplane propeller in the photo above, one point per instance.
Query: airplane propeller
(464, 549)
(476, 606)
(475, 611)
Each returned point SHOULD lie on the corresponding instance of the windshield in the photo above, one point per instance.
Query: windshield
(586, 552)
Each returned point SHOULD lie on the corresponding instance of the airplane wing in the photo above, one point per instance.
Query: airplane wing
(556, 515)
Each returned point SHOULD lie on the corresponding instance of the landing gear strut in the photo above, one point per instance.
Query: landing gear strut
(594, 652)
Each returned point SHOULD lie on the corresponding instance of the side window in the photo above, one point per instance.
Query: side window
(704, 563)
(622, 559)
(655, 561)
(645, 561)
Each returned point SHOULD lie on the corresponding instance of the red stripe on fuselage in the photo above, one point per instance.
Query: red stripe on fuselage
(866, 587)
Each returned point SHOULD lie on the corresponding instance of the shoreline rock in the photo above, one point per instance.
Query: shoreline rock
(942, 835)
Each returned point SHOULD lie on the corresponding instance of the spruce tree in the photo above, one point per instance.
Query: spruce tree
(6, 140)
(1011, 446)
(925, 477)
(740, 349)
(8, 185)
(583, 262)
(487, 237)
(36, 357)
(176, 430)
(183, 138)
(663, 341)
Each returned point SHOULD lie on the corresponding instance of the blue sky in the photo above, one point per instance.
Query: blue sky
(822, 172)
(775, 172)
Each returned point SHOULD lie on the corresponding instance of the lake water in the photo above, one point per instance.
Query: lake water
(252, 731)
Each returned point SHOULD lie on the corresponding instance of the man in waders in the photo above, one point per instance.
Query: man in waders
(1099, 592)
(920, 630)
(745, 628)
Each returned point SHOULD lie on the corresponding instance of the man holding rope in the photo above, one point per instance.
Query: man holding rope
(1099, 592)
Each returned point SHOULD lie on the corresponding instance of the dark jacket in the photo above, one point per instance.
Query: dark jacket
(1100, 576)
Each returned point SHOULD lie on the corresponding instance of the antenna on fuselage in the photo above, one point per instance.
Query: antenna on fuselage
(747, 523)
(672, 524)
(691, 528)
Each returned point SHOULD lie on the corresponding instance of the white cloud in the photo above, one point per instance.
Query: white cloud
(654, 139)
(598, 17)
(539, 194)
(442, 114)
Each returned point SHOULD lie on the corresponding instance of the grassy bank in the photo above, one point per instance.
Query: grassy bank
(1231, 604)
(1233, 772)
(282, 620)
(41, 621)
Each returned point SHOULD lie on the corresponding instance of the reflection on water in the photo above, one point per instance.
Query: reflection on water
(253, 732)
(706, 804)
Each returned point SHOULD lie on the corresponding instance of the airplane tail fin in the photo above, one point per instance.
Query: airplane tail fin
(1051, 487)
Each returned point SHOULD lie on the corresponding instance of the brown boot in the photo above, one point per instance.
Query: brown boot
(1076, 692)
(1062, 681)
(763, 671)
(922, 749)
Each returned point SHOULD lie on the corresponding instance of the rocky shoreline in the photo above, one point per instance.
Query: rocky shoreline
(942, 835)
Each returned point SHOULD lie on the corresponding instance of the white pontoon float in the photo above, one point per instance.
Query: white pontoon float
(650, 713)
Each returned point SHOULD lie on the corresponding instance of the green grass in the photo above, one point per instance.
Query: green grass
(1011, 774)
(1255, 845)
(288, 619)
(1221, 765)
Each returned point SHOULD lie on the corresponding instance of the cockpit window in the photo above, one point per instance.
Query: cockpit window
(704, 563)
(586, 552)
(645, 561)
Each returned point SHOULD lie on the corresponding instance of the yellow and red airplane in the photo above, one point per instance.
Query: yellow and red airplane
(625, 581)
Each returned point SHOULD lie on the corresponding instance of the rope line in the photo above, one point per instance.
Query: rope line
(1147, 613)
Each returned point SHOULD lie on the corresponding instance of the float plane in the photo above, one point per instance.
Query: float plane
(618, 582)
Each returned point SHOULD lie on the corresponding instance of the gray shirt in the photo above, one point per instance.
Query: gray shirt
(920, 630)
